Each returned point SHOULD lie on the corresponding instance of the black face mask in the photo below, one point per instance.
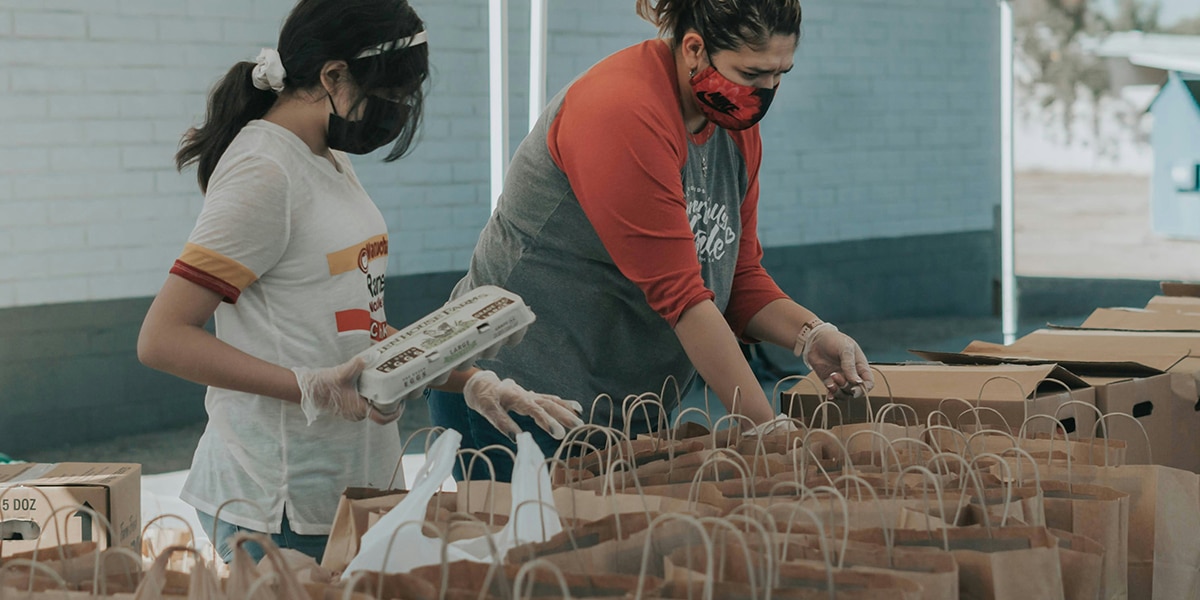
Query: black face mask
(381, 123)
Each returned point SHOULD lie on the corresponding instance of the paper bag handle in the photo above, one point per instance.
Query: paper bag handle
(32, 566)
(100, 584)
(800, 453)
(822, 542)
(812, 492)
(1146, 436)
(720, 455)
(937, 489)
(644, 402)
(726, 527)
(610, 487)
(937, 445)
(50, 519)
(708, 550)
(972, 474)
(777, 398)
(527, 568)
(612, 407)
(876, 435)
(886, 410)
(860, 483)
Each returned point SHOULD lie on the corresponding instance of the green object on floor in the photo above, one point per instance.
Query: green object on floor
(5, 459)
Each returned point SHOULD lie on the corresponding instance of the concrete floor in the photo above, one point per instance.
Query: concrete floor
(1094, 226)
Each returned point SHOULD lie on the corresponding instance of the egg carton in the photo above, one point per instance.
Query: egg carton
(471, 327)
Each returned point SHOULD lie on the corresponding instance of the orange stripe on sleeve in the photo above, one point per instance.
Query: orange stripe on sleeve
(228, 293)
(214, 271)
(218, 265)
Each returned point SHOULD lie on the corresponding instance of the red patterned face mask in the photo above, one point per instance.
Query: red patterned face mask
(730, 105)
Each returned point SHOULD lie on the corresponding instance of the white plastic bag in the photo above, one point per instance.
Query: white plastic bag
(527, 522)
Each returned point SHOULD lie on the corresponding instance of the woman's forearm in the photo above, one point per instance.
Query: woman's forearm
(714, 351)
(173, 340)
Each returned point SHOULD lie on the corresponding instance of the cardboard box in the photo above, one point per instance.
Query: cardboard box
(1141, 319)
(32, 493)
(1127, 367)
(924, 386)
(1174, 304)
(1165, 405)
(1089, 352)
(1180, 289)
(1176, 296)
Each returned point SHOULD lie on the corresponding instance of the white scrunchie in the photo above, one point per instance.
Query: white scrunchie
(268, 71)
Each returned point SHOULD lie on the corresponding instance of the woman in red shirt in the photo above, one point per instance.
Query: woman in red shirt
(628, 223)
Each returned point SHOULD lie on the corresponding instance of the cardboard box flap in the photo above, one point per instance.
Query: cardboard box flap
(1180, 288)
(931, 380)
(1140, 319)
(1094, 351)
(1174, 303)
(66, 474)
(1119, 369)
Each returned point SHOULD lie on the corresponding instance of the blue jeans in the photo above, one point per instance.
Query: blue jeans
(450, 410)
(312, 545)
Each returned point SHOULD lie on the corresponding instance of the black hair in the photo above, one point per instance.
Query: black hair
(316, 32)
(724, 24)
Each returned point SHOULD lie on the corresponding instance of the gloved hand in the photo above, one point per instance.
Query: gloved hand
(837, 360)
(334, 390)
(780, 424)
(493, 398)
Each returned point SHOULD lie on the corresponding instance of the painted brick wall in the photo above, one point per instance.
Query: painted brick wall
(885, 128)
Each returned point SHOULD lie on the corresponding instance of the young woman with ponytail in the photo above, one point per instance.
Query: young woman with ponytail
(628, 223)
(289, 253)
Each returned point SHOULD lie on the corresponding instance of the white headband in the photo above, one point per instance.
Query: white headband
(413, 40)
(268, 73)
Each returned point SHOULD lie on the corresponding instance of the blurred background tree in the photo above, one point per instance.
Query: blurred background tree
(1051, 41)
(1058, 73)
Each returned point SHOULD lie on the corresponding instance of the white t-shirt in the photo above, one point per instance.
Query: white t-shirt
(299, 252)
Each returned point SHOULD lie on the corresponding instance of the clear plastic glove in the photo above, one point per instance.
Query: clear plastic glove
(493, 398)
(837, 360)
(334, 391)
(780, 424)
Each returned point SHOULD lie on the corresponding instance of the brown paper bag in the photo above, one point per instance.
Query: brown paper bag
(23, 579)
(480, 497)
(935, 570)
(1009, 563)
(1082, 561)
(246, 582)
(75, 563)
(803, 578)
(468, 578)
(160, 584)
(1164, 521)
(1098, 513)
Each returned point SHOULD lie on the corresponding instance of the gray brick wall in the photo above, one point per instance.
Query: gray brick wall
(886, 128)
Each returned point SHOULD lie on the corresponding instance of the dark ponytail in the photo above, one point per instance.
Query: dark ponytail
(233, 102)
(316, 32)
(724, 24)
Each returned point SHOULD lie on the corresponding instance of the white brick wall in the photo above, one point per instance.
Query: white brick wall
(885, 128)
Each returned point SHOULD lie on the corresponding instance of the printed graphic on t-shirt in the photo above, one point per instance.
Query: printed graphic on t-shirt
(710, 225)
(361, 260)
